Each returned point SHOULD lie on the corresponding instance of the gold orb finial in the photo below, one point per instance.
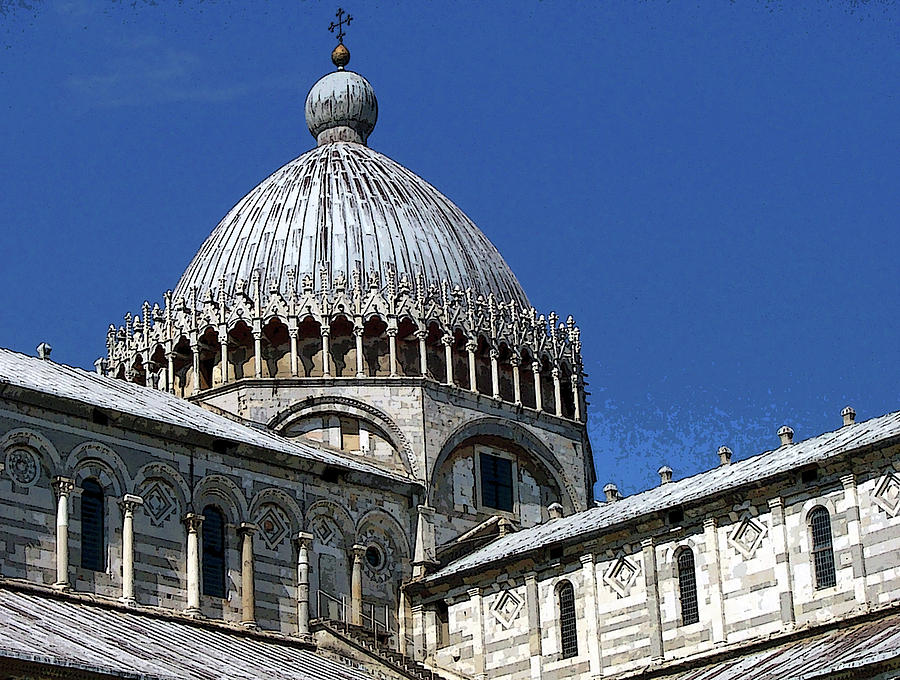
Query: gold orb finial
(340, 56)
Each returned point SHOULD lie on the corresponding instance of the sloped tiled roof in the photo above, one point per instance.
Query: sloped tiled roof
(681, 492)
(63, 381)
(77, 635)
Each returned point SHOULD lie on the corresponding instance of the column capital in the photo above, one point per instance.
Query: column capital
(358, 551)
(473, 593)
(536, 366)
(63, 486)
(247, 528)
(193, 521)
(130, 502)
(495, 353)
(587, 560)
(555, 372)
(710, 523)
(358, 331)
(848, 481)
(391, 331)
(302, 539)
(515, 360)
(421, 334)
(647, 543)
(325, 331)
(471, 345)
(447, 340)
(777, 502)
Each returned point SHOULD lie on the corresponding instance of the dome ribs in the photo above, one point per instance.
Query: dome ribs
(345, 225)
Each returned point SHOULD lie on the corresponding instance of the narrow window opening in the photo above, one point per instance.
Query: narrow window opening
(496, 482)
(213, 552)
(687, 587)
(822, 551)
(568, 628)
(93, 535)
(442, 616)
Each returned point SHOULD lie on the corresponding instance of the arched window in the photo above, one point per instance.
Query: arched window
(822, 552)
(568, 628)
(93, 535)
(687, 587)
(213, 552)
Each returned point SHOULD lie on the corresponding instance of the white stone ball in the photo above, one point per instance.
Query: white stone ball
(341, 107)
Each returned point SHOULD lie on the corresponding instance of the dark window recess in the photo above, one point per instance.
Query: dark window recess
(809, 475)
(676, 516)
(442, 614)
(823, 554)
(555, 552)
(331, 475)
(687, 588)
(568, 628)
(496, 482)
(93, 536)
(213, 552)
(99, 417)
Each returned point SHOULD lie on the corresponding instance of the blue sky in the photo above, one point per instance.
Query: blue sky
(710, 188)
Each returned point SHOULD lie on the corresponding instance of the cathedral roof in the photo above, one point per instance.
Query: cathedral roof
(344, 208)
(582, 525)
(90, 639)
(75, 384)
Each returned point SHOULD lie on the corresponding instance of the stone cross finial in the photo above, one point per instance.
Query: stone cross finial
(340, 23)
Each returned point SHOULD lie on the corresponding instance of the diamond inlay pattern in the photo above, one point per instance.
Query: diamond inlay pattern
(506, 608)
(887, 493)
(747, 536)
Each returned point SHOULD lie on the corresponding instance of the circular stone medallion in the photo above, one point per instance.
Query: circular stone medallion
(22, 467)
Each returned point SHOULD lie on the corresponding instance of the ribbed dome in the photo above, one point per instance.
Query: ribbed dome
(348, 207)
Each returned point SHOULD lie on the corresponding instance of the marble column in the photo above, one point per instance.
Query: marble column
(423, 353)
(356, 586)
(170, 371)
(538, 397)
(854, 536)
(194, 523)
(303, 541)
(650, 581)
(447, 341)
(517, 379)
(533, 608)
(195, 365)
(782, 562)
(248, 580)
(223, 356)
(360, 368)
(128, 504)
(495, 373)
(257, 353)
(557, 391)
(477, 632)
(326, 352)
(392, 350)
(471, 346)
(576, 397)
(714, 570)
(295, 354)
(63, 487)
(592, 627)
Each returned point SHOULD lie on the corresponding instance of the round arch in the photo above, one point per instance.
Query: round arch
(512, 432)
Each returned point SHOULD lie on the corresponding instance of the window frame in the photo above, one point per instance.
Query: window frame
(567, 615)
(479, 482)
(824, 571)
(688, 596)
(97, 494)
(206, 585)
